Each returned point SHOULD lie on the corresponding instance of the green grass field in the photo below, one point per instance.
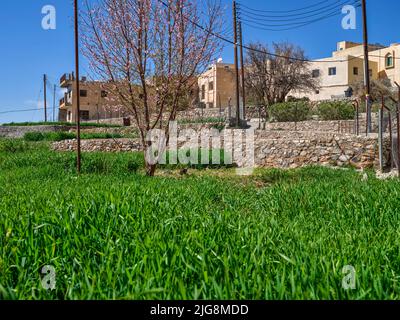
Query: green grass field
(113, 233)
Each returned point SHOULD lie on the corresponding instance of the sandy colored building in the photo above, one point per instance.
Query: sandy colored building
(339, 73)
(217, 86)
(93, 101)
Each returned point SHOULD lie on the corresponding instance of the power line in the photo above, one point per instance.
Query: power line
(218, 36)
(329, 7)
(319, 13)
(295, 10)
(21, 110)
(249, 24)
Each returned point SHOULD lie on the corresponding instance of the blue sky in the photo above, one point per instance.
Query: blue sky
(28, 51)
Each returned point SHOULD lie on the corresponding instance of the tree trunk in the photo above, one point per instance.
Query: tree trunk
(150, 169)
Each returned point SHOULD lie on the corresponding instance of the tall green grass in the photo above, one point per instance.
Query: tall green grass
(116, 234)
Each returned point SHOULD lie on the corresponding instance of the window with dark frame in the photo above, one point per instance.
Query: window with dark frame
(83, 93)
(84, 115)
(355, 71)
(103, 93)
(389, 61)
(332, 71)
(203, 92)
(315, 73)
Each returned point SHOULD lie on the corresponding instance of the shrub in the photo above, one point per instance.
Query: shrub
(290, 111)
(34, 136)
(335, 110)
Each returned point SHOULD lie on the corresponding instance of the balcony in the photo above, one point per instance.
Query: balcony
(65, 102)
(66, 80)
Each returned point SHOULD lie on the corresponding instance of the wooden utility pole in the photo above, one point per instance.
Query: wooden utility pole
(398, 127)
(242, 69)
(235, 40)
(54, 103)
(45, 96)
(77, 89)
(367, 82)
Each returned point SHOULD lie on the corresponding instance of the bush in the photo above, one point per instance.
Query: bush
(34, 136)
(289, 111)
(335, 110)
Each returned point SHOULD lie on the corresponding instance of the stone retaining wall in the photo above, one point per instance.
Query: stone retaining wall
(278, 150)
(18, 132)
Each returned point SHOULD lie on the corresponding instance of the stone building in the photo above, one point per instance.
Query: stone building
(217, 86)
(339, 73)
(94, 104)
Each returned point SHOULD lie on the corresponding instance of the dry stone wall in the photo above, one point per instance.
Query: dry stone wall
(276, 149)
(18, 132)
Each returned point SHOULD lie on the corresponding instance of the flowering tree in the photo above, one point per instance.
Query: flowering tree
(148, 54)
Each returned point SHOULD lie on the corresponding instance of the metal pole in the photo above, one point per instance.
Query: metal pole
(357, 117)
(367, 82)
(242, 69)
(235, 35)
(45, 97)
(78, 106)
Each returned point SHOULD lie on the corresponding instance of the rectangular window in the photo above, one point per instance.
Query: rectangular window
(83, 93)
(211, 86)
(332, 71)
(103, 94)
(315, 73)
(203, 92)
(85, 115)
(355, 71)
(370, 72)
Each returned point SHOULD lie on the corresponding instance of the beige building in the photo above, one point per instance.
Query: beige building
(93, 101)
(338, 74)
(217, 86)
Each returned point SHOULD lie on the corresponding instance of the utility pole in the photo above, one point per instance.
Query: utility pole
(77, 92)
(398, 127)
(367, 82)
(54, 103)
(45, 97)
(235, 40)
(242, 69)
